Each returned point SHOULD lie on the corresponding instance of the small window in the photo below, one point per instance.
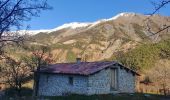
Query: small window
(71, 80)
(47, 78)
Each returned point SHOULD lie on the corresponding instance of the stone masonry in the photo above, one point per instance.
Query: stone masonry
(98, 83)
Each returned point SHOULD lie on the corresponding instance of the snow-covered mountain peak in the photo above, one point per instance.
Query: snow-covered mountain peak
(72, 25)
(75, 25)
(125, 14)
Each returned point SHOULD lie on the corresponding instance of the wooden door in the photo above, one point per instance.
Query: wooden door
(114, 79)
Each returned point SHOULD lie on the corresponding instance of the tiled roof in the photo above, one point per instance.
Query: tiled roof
(82, 68)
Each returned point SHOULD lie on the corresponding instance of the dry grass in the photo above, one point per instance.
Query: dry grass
(135, 96)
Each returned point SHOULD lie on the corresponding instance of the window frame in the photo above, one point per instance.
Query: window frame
(70, 80)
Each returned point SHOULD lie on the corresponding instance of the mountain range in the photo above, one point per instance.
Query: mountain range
(102, 39)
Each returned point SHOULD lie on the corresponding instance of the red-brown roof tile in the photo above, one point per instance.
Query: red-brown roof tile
(82, 68)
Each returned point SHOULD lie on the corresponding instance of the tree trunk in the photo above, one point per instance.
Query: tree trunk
(164, 89)
(36, 79)
(19, 89)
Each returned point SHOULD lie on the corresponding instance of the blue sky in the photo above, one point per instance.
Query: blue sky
(66, 11)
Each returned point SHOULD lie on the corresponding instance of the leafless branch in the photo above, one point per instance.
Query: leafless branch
(160, 31)
(158, 5)
(13, 13)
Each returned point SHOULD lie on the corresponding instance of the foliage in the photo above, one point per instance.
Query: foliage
(142, 57)
(40, 56)
(164, 47)
(71, 56)
(145, 55)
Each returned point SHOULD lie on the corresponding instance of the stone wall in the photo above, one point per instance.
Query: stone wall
(54, 85)
(98, 83)
(126, 81)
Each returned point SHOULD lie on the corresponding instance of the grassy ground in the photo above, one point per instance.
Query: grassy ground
(112, 97)
(101, 97)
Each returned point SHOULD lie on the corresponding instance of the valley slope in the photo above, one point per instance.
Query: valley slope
(102, 39)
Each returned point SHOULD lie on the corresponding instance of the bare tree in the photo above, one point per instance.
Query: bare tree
(161, 75)
(15, 72)
(40, 57)
(12, 15)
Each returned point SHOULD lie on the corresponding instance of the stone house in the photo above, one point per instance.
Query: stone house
(86, 78)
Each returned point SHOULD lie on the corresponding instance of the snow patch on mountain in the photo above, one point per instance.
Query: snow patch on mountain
(75, 25)
(126, 14)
